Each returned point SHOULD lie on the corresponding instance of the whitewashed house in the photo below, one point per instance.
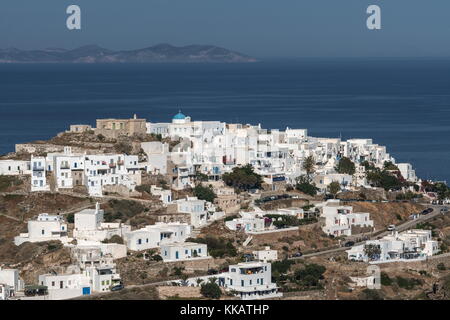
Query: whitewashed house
(92, 279)
(119, 171)
(157, 157)
(164, 195)
(409, 245)
(45, 228)
(180, 251)
(249, 222)
(266, 255)
(14, 167)
(407, 172)
(11, 282)
(89, 225)
(154, 236)
(250, 281)
(195, 208)
(338, 220)
(38, 174)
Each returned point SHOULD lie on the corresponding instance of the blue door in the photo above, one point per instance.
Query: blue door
(86, 291)
(176, 255)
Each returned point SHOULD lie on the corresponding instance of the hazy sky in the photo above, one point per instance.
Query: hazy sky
(261, 28)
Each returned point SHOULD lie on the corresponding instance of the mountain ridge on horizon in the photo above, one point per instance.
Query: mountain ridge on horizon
(92, 53)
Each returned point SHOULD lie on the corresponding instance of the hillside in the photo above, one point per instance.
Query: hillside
(161, 53)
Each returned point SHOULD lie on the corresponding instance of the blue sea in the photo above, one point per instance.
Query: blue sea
(403, 104)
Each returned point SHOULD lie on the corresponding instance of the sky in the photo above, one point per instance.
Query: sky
(260, 28)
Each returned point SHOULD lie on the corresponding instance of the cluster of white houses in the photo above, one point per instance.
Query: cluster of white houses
(215, 147)
(409, 245)
(95, 270)
(208, 147)
(336, 220)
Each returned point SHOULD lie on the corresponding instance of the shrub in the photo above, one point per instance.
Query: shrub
(441, 266)
(406, 283)
(70, 217)
(243, 178)
(371, 294)
(310, 275)
(305, 185)
(204, 193)
(282, 267)
(385, 279)
(144, 188)
(346, 166)
(211, 290)
(123, 147)
(114, 239)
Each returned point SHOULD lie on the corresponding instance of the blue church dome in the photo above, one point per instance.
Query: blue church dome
(179, 116)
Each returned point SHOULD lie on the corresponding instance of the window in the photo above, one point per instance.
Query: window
(242, 283)
(53, 283)
(42, 231)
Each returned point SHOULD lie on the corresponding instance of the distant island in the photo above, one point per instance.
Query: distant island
(161, 53)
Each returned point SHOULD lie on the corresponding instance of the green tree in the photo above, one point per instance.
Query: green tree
(442, 190)
(211, 290)
(388, 165)
(114, 239)
(346, 166)
(305, 185)
(311, 275)
(309, 165)
(204, 193)
(334, 187)
(200, 177)
(243, 178)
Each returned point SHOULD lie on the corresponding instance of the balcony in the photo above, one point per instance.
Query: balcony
(120, 162)
(38, 168)
(112, 165)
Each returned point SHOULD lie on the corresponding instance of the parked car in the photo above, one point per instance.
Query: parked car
(298, 254)
(443, 210)
(117, 287)
(391, 227)
(349, 244)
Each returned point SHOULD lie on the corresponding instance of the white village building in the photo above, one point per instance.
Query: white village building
(89, 225)
(338, 220)
(154, 236)
(409, 245)
(266, 255)
(45, 228)
(250, 281)
(182, 251)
